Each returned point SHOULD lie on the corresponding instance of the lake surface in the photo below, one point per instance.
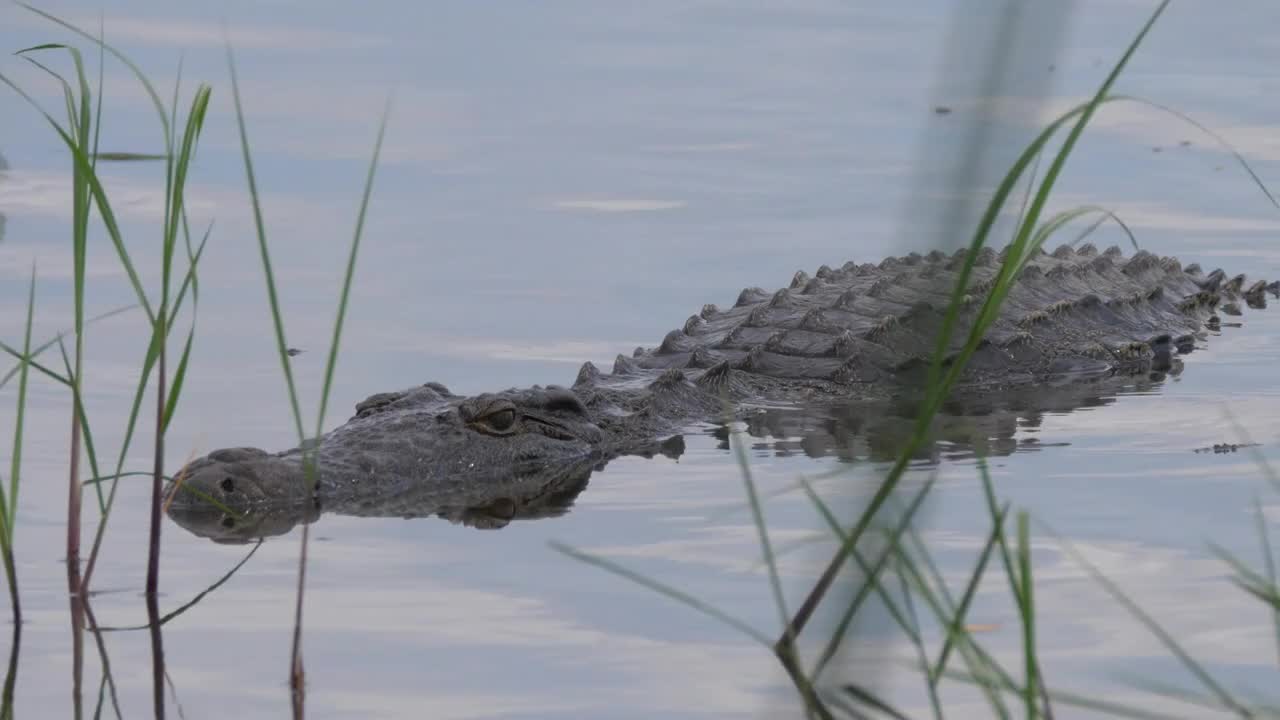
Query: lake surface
(562, 182)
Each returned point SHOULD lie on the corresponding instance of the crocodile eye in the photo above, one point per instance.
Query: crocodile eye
(502, 420)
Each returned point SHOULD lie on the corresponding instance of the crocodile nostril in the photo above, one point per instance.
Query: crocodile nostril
(228, 485)
(228, 522)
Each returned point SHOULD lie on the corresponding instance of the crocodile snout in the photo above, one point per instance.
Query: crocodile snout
(235, 480)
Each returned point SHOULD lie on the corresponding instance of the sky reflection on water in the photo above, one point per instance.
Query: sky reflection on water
(563, 183)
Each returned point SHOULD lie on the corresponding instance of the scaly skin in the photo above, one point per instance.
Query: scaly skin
(861, 333)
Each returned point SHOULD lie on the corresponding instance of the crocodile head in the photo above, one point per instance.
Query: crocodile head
(483, 505)
(234, 479)
(396, 444)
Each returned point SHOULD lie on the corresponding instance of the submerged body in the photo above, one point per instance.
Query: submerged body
(862, 332)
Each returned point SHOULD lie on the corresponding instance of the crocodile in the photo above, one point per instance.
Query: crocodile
(990, 424)
(862, 332)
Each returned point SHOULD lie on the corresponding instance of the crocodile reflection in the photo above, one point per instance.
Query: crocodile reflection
(482, 502)
(971, 424)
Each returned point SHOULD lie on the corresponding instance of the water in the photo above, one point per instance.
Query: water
(563, 182)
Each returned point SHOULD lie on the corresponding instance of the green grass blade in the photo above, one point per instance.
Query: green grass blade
(1059, 160)
(1265, 593)
(1006, 558)
(1259, 458)
(175, 388)
(39, 349)
(190, 138)
(108, 679)
(782, 549)
(1061, 219)
(1027, 613)
(277, 321)
(137, 72)
(51, 374)
(1181, 694)
(846, 706)
(68, 96)
(1093, 227)
(866, 697)
(937, 385)
(957, 625)
(65, 380)
(833, 525)
(104, 478)
(6, 535)
(1166, 639)
(82, 417)
(731, 510)
(1222, 142)
(102, 698)
(195, 600)
(946, 611)
(144, 377)
(922, 655)
(199, 495)
(1025, 242)
(83, 199)
(1018, 589)
(872, 578)
(1269, 562)
(937, 390)
(169, 165)
(9, 505)
(173, 695)
(1026, 193)
(190, 280)
(86, 175)
(664, 589)
(982, 667)
(332, 362)
(15, 462)
(102, 91)
(1248, 579)
(762, 536)
(38, 48)
(177, 219)
(1087, 702)
(1019, 250)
